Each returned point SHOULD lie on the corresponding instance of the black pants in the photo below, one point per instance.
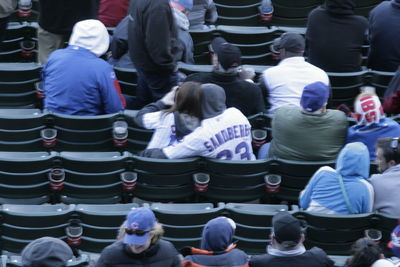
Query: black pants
(3, 28)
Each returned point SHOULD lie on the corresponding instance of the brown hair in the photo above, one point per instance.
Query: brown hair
(364, 253)
(188, 99)
(389, 153)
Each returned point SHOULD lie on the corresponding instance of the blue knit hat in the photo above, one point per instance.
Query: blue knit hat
(183, 4)
(314, 96)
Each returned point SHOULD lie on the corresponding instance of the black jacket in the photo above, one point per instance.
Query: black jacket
(243, 95)
(314, 257)
(152, 36)
(161, 254)
(60, 16)
(335, 37)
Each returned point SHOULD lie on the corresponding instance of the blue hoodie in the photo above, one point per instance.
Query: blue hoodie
(323, 192)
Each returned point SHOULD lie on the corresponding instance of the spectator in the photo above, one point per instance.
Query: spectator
(154, 48)
(119, 47)
(391, 102)
(243, 95)
(172, 119)
(203, 12)
(344, 190)
(46, 252)
(76, 81)
(335, 36)
(223, 133)
(7, 7)
(371, 123)
(364, 252)
(111, 12)
(384, 36)
(56, 20)
(180, 10)
(388, 159)
(309, 133)
(287, 249)
(141, 245)
(216, 247)
(284, 83)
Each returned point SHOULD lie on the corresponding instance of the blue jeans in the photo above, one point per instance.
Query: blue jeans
(152, 86)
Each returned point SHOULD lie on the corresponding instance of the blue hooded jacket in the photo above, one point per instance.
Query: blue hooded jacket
(323, 192)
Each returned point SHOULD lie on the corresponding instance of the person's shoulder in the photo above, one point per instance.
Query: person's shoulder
(287, 109)
(259, 260)
(167, 246)
(316, 12)
(201, 77)
(113, 250)
(337, 114)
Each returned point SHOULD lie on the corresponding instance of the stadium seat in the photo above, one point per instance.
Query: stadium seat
(100, 224)
(386, 223)
(292, 13)
(189, 69)
(138, 138)
(16, 33)
(201, 40)
(294, 176)
(24, 177)
(253, 224)
(235, 181)
(17, 84)
(92, 177)
(164, 179)
(20, 129)
(127, 80)
(345, 87)
(23, 223)
(239, 13)
(183, 223)
(335, 233)
(84, 133)
(380, 80)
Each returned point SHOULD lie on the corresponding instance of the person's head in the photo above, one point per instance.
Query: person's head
(353, 161)
(340, 7)
(368, 108)
(286, 231)
(185, 6)
(226, 57)
(387, 152)
(290, 44)
(394, 243)
(46, 252)
(364, 252)
(217, 234)
(188, 99)
(213, 100)
(142, 230)
(314, 98)
(92, 35)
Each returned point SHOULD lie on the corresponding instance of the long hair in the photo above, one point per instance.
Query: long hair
(188, 99)
(364, 253)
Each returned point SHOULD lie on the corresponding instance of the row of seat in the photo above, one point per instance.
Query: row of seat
(92, 227)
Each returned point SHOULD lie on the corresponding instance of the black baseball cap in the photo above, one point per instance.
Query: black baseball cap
(229, 56)
(290, 41)
(286, 227)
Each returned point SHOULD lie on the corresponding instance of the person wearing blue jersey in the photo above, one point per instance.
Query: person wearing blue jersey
(344, 190)
(372, 123)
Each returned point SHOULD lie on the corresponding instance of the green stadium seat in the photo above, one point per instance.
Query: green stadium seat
(127, 80)
(138, 138)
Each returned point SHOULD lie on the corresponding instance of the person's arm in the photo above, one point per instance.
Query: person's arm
(119, 43)
(211, 15)
(305, 195)
(112, 99)
(264, 90)
(259, 106)
(191, 146)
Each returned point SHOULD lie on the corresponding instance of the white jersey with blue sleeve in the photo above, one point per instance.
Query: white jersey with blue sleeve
(225, 136)
(164, 125)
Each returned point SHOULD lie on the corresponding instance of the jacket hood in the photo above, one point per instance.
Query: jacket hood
(92, 35)
(213, 100)
(340, 7)
(217, 234)
(353, 161)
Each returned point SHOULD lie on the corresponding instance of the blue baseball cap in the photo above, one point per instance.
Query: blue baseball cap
(140, 221)
(314, 96)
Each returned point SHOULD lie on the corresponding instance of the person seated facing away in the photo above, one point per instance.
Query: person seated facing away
(76, 81)
(344, 190)
(335, 36)
(284, 83)
(243, 95)
(364, 252)
(203, 12)
(46, 252)
(172, 117)
(223, 133)
(141, 245)
(387, 198)
(309, 133)
(216, 247)
(287, 249)
(371, 123)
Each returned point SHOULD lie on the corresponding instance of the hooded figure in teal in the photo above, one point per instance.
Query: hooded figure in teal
(324, 192)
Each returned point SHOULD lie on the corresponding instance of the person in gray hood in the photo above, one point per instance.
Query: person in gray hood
(335, 36)
(223, 133)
